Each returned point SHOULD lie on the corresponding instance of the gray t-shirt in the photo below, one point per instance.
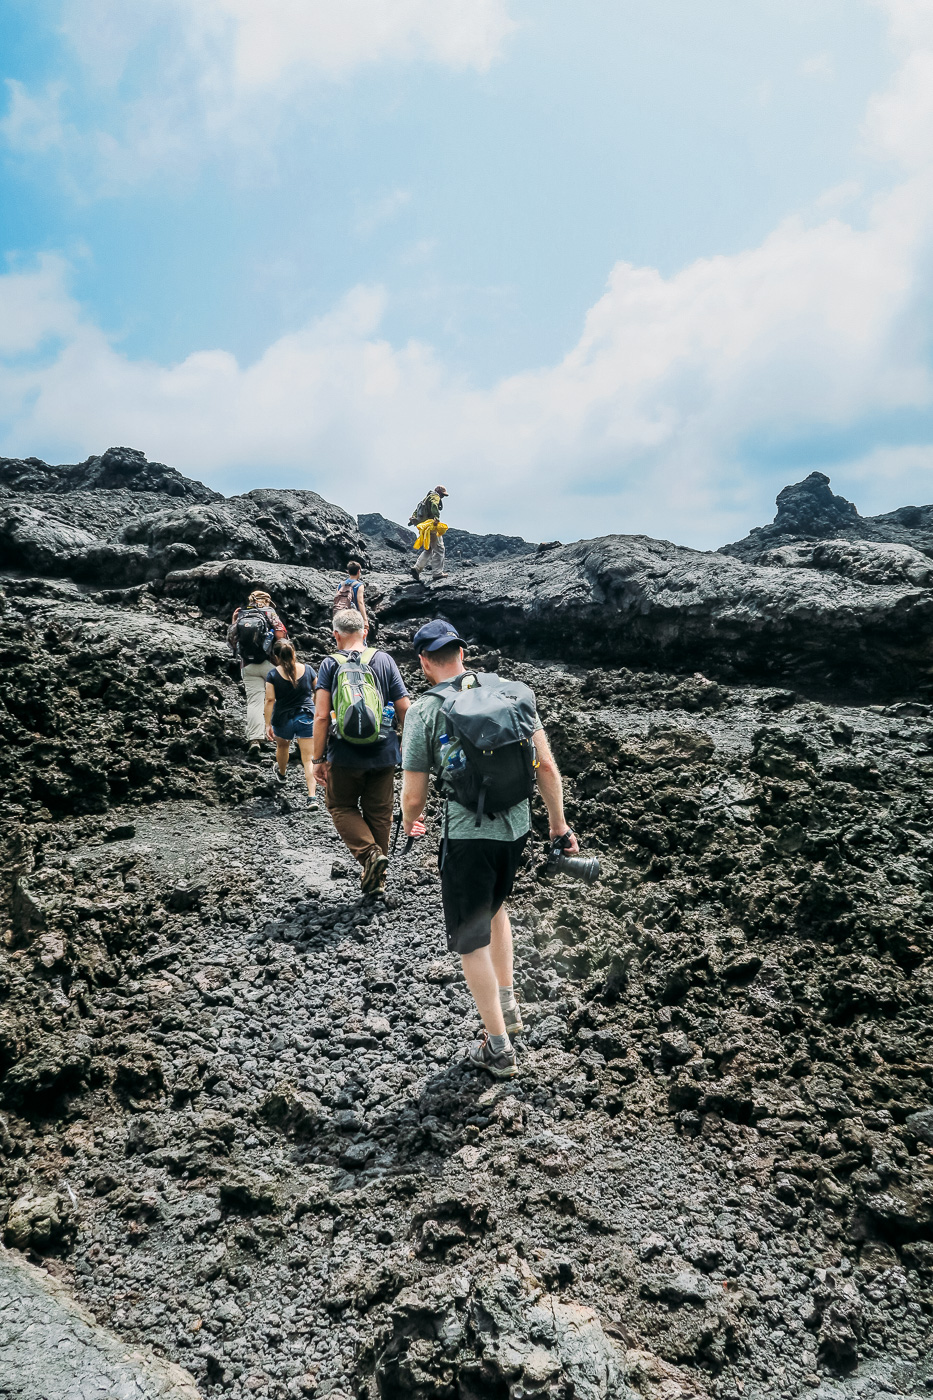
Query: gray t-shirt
(421, 753)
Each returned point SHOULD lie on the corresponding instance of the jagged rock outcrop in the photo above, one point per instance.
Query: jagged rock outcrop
(809, 510)
(287, 527)
(119, 468)
(637, 601)
(514, 1341)
(78, 527)
(389, 544)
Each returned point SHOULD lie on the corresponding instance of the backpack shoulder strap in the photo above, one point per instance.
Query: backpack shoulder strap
(447, 688)
(367, 654)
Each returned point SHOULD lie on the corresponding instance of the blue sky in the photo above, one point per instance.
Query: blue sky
(599, 267)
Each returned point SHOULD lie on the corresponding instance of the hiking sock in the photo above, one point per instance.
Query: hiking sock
(506, 998)
(499, 1044)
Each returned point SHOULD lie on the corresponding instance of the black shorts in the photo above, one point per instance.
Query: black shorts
(477, 877)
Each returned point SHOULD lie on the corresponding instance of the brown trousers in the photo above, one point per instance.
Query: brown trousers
(360, 801)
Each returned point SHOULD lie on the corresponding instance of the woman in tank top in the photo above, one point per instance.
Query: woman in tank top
(289, 713)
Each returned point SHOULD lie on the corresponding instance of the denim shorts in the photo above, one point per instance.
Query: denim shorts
(298, 726)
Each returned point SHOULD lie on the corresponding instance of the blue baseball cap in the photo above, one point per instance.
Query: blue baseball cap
(434, 635)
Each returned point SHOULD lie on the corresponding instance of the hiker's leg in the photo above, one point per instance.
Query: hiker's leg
(500, 947)
(304, 748)
(282, 750)
(468, 882)
(254, 683)
(440, 555)
(377, 802)
(430, 554)
(344, 786)
(484, 988)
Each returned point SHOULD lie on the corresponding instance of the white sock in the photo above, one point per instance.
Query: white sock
(506, 998)
(499, 1043)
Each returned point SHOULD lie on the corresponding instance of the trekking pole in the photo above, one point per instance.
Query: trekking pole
(398, 827)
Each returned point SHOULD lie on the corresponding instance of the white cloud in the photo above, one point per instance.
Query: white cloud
(183, 77)
(644, 426)
(899, 121)
(35, 307)
(255, 44)
(272, 38)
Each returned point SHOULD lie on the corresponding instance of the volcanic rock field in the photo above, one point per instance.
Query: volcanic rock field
(239, 1153)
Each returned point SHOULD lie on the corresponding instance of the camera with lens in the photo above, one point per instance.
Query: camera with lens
(585, 868)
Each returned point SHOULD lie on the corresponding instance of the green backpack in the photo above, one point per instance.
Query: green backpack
(357, 702)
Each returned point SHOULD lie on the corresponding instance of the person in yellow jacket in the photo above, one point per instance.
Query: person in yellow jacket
(431, 531)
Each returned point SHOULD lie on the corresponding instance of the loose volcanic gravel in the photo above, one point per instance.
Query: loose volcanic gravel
(238, 1125)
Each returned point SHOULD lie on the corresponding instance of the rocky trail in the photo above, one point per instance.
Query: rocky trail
(235, 1123)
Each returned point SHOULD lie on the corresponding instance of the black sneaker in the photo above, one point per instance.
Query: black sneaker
(280, 777)
(501, 1066)
(373, 872)
(254, 753)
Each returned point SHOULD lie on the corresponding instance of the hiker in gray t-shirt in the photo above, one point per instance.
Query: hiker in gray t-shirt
(480, 860)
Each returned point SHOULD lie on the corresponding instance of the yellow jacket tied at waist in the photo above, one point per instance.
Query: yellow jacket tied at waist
(425, 529)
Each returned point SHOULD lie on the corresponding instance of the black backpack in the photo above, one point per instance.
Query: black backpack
(254, 636)
(489, 759)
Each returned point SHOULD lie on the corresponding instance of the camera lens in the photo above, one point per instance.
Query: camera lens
(585, 868)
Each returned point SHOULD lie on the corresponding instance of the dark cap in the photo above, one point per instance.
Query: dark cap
(434, 635)
(441, 491)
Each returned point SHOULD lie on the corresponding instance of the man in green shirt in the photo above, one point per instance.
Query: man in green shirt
(481, 862)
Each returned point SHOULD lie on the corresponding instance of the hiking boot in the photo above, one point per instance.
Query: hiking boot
(437, 576)
(254, 753)
(501, 1066)
(280, 777)
(373, 871)
(514, 1025)
(313, 804)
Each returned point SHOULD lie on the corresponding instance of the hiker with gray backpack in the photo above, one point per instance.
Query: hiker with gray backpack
(355, 749)
(481, 737)
(251, 636)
